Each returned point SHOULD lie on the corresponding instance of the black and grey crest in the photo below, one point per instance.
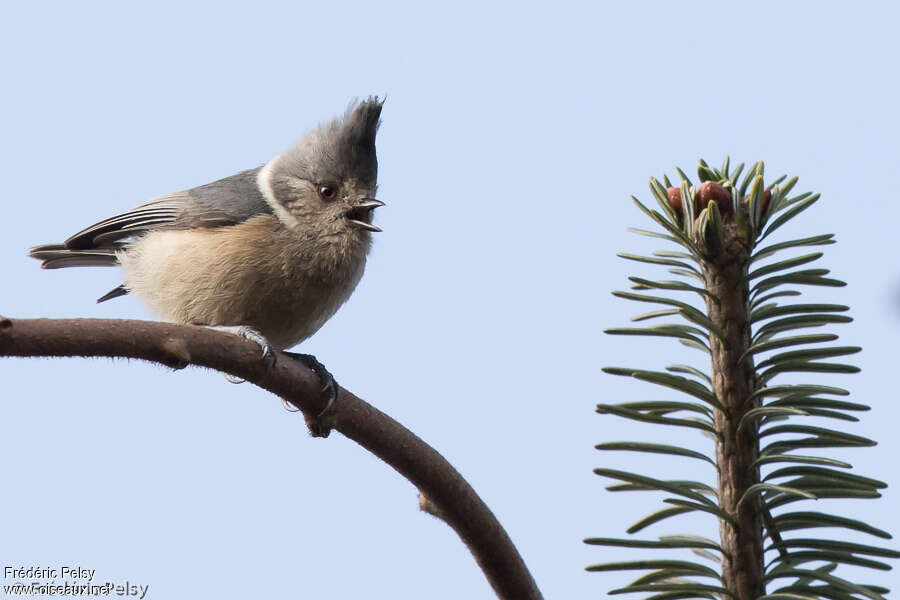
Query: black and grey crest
(339, 150)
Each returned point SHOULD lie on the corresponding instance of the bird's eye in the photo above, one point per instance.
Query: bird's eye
(327, 192)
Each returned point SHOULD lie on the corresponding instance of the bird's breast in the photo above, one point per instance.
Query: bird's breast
(257, 273)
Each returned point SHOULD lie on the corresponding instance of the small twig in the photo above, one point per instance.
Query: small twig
(427, 506)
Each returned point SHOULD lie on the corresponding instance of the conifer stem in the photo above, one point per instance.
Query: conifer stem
(736, 446)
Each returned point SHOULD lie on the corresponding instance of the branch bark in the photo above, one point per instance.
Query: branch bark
(178, 346)
(736, 446)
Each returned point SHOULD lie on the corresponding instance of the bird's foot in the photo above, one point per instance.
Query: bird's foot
(317, 424)
(248, 333)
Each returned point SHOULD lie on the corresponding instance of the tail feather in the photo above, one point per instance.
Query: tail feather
(58, 256)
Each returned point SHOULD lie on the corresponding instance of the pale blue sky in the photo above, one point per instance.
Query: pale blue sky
(513, 134)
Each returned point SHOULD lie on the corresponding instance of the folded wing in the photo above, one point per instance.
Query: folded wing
(221, 203)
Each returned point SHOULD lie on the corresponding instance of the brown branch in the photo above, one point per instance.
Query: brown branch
(178, 346)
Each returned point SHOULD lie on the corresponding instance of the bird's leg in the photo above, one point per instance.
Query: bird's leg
(248, 333)
(317, 427)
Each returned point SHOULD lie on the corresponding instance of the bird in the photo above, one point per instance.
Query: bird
(268, 253)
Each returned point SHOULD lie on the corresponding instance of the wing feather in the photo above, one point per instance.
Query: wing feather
(225, 202)
(221, 203)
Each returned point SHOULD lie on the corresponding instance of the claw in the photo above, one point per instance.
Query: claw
(328, 385)
(248, 333)
(288, 406)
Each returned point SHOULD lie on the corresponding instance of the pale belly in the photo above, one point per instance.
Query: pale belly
(255, 274)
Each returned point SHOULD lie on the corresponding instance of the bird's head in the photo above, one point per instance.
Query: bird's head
(325, 183)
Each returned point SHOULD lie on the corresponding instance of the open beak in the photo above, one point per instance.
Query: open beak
(361, 214)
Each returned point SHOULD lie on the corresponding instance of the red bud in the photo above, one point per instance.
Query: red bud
(674, 195)
(699, 202)
(710, 191)
(726, 207)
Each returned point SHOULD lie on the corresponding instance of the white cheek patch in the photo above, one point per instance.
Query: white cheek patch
(264, 183)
